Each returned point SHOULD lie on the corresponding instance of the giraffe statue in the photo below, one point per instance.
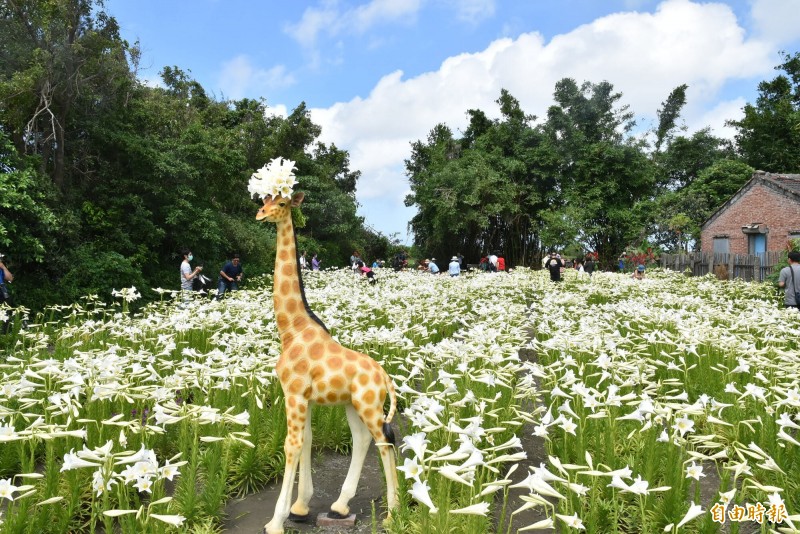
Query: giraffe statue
(316, 370)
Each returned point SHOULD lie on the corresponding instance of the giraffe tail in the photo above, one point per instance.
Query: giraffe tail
(392, 396)
(388, 432)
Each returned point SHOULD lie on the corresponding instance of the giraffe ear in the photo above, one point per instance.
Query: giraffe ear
(297, 199)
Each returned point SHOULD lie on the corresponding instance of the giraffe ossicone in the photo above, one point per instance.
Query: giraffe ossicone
(314, 369)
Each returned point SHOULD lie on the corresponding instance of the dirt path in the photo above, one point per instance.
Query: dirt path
(249, 514)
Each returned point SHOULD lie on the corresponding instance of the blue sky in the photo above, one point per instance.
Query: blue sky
(379, 74)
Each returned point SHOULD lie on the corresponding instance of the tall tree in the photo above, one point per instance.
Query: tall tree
(769, 133)
(58, 56)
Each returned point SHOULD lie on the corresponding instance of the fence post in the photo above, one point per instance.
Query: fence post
(731, 264)
(757, 268)
(711, 263)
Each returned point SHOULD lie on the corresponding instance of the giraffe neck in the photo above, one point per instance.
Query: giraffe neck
(292, 312)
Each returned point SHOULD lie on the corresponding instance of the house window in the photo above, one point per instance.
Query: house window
(794, 235)
(722, 245)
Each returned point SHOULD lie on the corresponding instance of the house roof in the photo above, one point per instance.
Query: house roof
(784, 184)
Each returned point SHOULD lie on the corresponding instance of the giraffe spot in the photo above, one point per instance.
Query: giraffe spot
(316, 351)
(309, 334)
(369, 413)
(369, 396)
(364, 363)
(335, 363)
(295, 352)
(350, 371)
(285, 374)
(344, 397)
(283, 254)
(288, 269)
(291, 306)
(331, 396)
(285, 288)
(302, 408)
(337, 382)
(292, 402)
(377, 378)
(351, 356)
(317, 372)
(357, 405)
(287, 338)
(301, 367)
(334, 347)
(379, 424)
(296, 386)
(363, 379)
(383, 396)
(296, 286)
(283, 321)
(321, 386)
(299, 322)
(286, 241)
(307, 393)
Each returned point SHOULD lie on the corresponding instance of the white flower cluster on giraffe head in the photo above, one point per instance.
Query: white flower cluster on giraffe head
(274, 179)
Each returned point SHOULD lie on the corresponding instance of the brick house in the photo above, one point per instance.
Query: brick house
(761, 217)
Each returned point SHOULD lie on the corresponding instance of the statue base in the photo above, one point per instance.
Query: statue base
(324, 521)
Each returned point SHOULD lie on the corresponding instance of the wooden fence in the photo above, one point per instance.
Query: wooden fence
(726, 266)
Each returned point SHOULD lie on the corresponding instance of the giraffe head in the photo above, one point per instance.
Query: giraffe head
(277, 209)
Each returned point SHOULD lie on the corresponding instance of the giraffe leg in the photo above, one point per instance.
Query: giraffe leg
(361, 440)
(387, 452)
(292, 446)
(305, 487)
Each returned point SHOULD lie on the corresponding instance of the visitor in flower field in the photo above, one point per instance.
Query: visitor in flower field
(315, 263)
(229, 276)
(554, 265)
(187, 274)
(501, 263)
(454, 269)
(5, 276)
(789, 280)
(579, 267)
(483, 265)
(638, 274)
(492, 263)
(303, 261)
(588, 267)
(368, 273)
(622, 262)
(355, 258)
(432, 267)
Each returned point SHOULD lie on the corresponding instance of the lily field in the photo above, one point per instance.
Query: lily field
(664, 405)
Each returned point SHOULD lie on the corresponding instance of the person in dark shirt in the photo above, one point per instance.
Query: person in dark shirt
(229, 276)
(554, 265)
(588, 267)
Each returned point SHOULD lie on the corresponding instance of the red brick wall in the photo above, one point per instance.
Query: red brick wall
(760, 204)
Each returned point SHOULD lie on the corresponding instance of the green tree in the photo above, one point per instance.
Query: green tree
(769, 133)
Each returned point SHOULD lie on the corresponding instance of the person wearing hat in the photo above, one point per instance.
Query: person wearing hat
(638, 274)
(432, 267)
(455, 267)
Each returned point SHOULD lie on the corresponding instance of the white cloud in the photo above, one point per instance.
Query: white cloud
(716, 117)
(473, 11)
(240, 77)
(645, 55)
(331, 19)
(777, 21)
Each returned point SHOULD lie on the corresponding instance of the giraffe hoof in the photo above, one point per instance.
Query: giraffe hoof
(335, 515)
(297, 518)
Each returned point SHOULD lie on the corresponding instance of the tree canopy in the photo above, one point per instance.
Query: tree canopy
(104, 180)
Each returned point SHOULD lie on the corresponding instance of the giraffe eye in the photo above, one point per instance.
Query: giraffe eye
(281, 204)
